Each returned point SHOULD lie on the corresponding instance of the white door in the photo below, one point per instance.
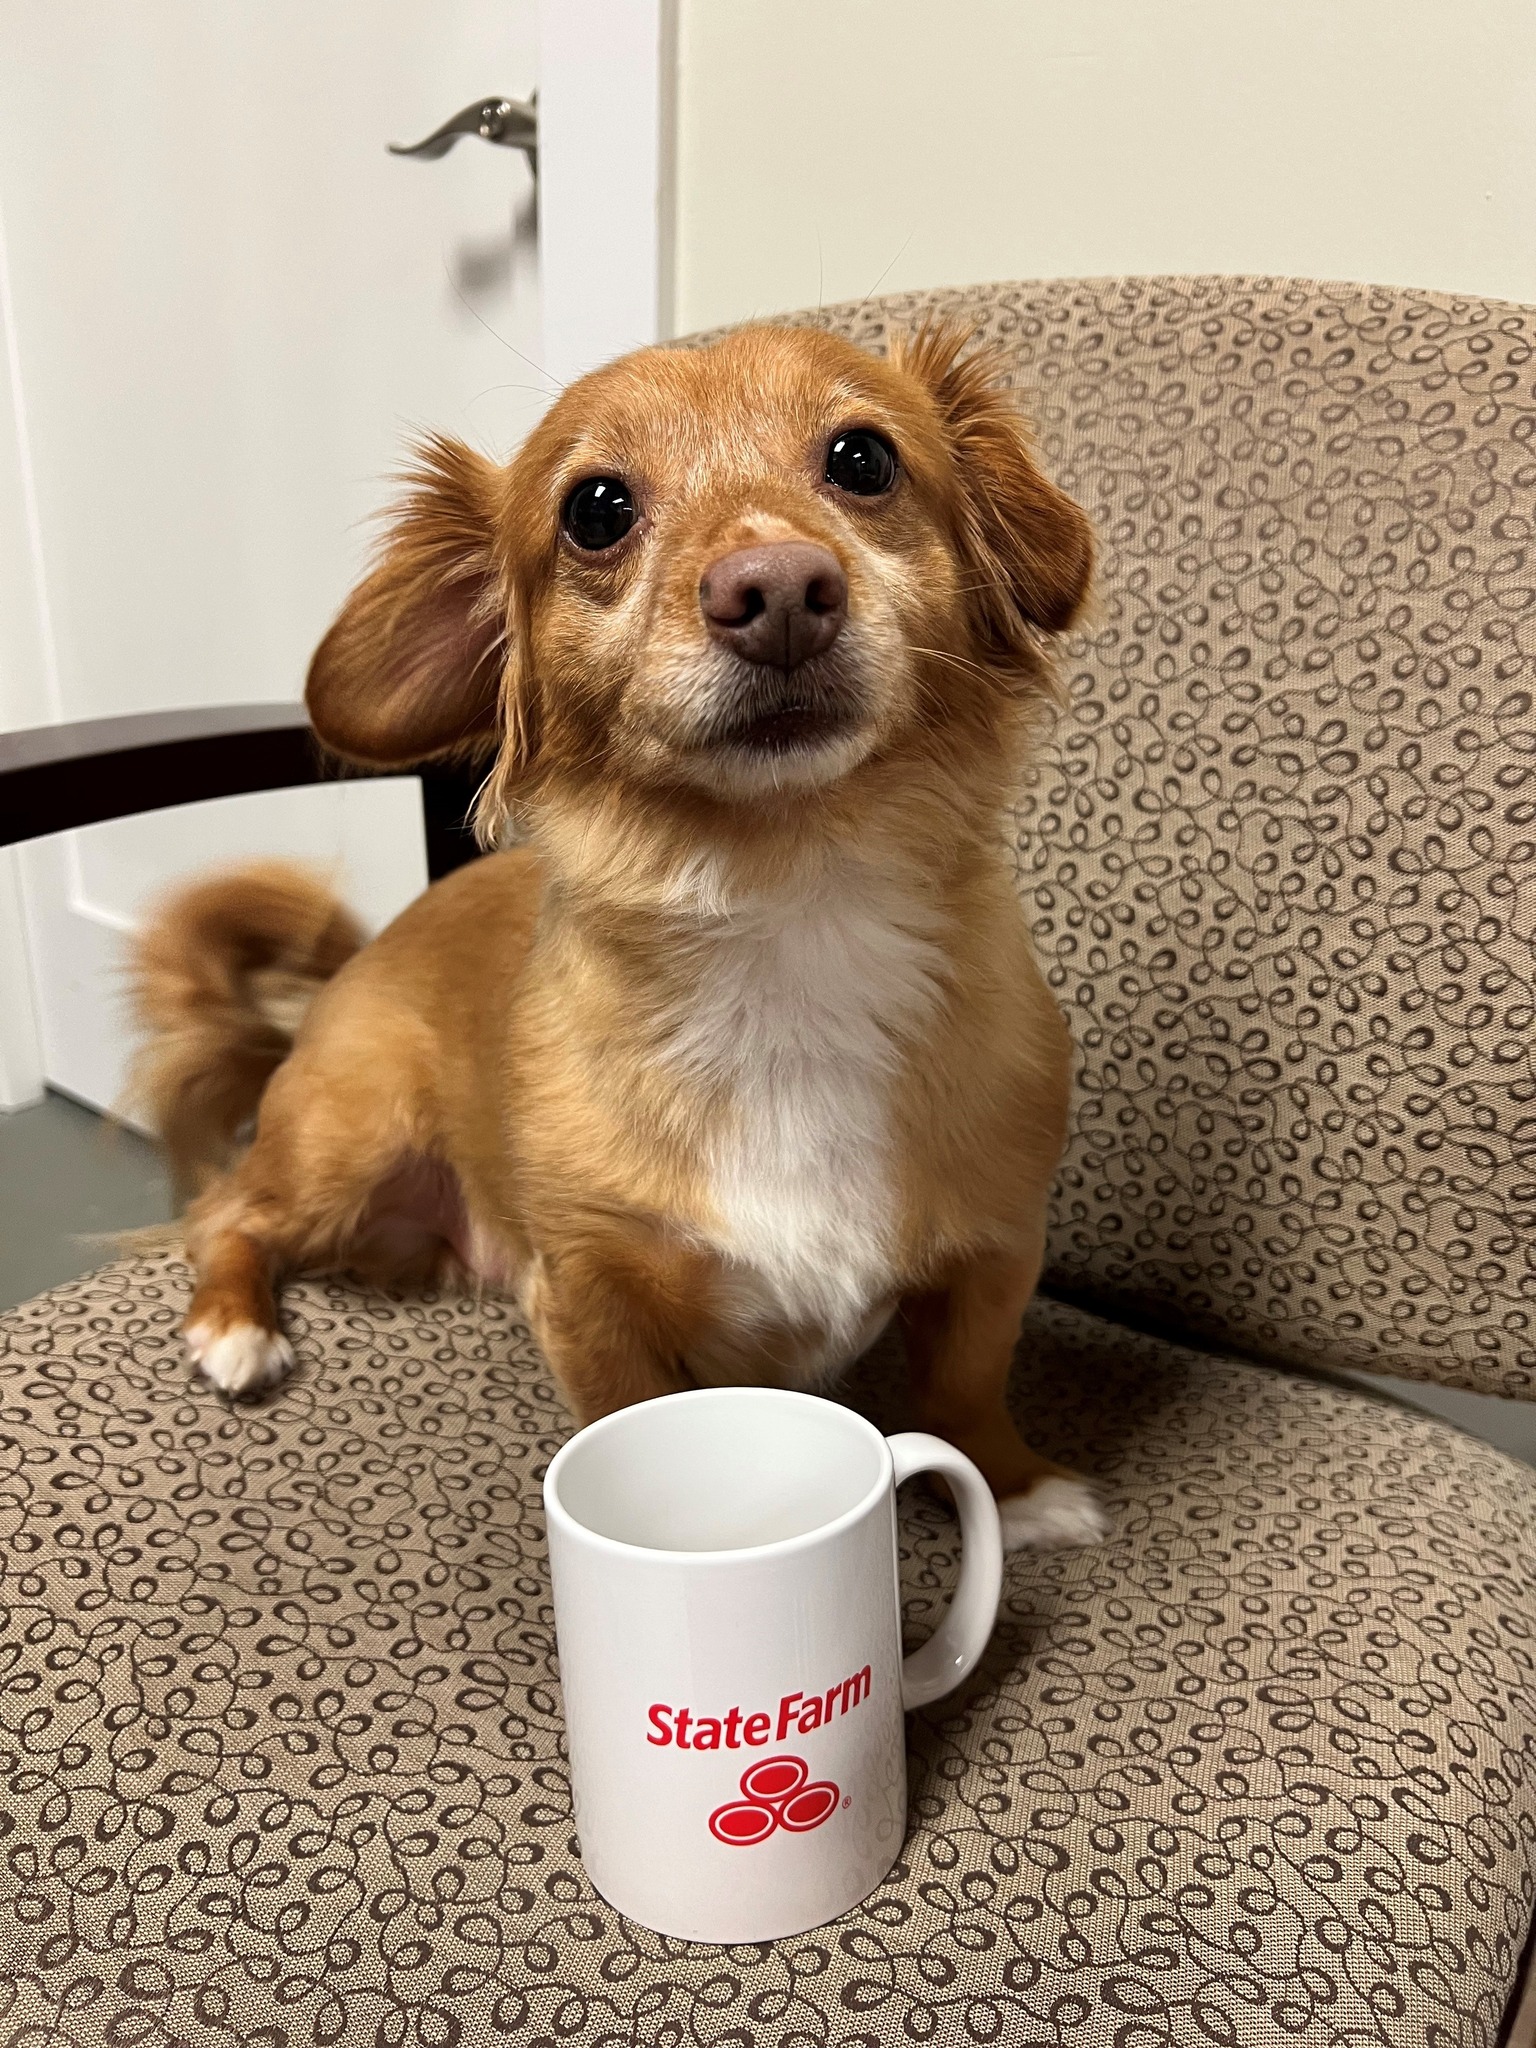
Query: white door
(226, 309)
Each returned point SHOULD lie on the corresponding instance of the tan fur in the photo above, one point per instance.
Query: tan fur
(220, 979)
(726, 1063)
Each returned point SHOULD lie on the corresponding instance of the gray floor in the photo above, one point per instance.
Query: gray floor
(1509, 1424)
(67, 1177)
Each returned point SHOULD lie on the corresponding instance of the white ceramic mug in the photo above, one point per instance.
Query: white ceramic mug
(727, 1609)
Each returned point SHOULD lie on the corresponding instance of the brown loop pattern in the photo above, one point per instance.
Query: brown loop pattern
(280, 1730)
(280, 1735)
(1281, 857)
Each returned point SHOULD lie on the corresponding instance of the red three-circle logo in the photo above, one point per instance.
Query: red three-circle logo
(775, 1795)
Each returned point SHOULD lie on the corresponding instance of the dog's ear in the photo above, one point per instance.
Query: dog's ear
(1029, 547)
(420, 661)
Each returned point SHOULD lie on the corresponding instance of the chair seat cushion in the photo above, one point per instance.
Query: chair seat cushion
(280, 1729)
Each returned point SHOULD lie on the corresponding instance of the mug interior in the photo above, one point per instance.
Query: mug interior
(722, 1468)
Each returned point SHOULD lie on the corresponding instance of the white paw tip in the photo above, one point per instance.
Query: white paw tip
(1057, 1514)
(241, 1360)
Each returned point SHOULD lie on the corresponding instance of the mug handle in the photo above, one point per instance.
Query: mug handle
(951, 1652)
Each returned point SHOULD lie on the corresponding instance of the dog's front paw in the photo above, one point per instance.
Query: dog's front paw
(242, 1359)
(1056, 1514)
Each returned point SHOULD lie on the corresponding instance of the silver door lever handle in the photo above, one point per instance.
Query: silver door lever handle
(513, 124)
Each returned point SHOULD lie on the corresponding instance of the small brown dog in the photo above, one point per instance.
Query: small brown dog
(744, 1049)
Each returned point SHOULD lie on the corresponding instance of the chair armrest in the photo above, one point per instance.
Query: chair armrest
(56, 777)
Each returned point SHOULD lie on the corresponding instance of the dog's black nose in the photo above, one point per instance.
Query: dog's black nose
(776, 604)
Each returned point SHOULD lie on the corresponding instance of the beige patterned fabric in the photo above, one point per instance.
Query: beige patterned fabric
(1281, 859)
(280, 1729)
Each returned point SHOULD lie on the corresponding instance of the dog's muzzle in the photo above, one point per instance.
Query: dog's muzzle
(783, 712)
(779, 608)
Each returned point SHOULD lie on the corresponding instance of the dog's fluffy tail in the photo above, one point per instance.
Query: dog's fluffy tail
(221, 977)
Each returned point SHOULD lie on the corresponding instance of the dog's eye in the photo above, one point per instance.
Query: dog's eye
(861, 462)
(599, 512)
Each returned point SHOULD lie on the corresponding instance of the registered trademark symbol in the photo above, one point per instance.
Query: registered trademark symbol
(849, 1800)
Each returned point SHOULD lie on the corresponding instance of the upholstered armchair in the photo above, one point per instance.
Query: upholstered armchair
(280, 1730)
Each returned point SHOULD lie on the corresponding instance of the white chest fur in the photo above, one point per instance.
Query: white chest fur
(802, 1012)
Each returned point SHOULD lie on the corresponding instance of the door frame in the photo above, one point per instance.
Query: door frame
(607, 170)
(29, 695)
(607, 71)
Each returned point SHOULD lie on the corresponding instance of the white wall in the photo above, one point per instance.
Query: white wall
(831, 148)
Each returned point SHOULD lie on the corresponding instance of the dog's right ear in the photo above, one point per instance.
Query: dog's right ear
(419, 659)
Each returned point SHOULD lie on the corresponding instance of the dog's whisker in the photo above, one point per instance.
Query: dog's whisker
(956, 660)
(475, 314)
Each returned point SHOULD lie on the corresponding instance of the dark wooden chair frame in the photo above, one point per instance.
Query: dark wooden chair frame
(55, 777)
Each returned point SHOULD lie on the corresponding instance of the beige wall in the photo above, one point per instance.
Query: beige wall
(829, 148)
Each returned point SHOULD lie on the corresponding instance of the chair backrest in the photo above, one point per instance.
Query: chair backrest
(1281, 852)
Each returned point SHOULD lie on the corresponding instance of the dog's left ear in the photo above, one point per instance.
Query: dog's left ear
(421, 661)
(1029, 546)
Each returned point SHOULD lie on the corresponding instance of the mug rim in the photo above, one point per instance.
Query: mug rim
(557, 1512)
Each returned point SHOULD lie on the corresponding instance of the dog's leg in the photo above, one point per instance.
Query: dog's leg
(960, 1342)
(231, 1327)
(327, 1138)
(614, 1329)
